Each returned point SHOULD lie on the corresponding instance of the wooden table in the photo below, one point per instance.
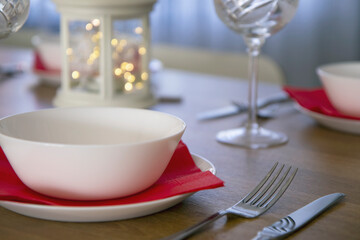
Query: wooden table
(328, 161)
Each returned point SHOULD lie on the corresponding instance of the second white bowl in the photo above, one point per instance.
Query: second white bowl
(341, 82)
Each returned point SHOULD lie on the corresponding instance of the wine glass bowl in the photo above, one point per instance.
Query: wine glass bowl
(255, 20)
(13, 14)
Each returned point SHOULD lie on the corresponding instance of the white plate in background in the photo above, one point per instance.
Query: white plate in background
(339, 124)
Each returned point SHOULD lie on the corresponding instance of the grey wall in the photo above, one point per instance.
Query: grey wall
(322, 31)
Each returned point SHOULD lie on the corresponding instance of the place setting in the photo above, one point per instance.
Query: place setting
(86, 169)
(335, 105)
(107, 154)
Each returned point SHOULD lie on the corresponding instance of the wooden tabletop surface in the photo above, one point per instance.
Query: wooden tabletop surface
(328, 162)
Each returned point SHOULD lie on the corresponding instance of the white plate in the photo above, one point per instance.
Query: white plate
(103, 213)
(340, 124)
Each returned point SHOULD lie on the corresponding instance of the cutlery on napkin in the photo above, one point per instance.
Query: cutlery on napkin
(296, 220)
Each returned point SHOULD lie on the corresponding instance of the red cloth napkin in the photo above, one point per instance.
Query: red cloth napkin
(315, 100)
(181, 176)
(39, 65)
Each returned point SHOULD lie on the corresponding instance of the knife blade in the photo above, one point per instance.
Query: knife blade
(237, 108)
(299, 218)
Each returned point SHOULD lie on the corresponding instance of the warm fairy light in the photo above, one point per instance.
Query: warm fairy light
(122, 43)
(69, 51)
(139, 85)
(127, 58)
(123, 65)
(119, 48)
(142, 51)
(91, 58)
(138, 30)
(118, 71)
(95, 22)
(127, 75)
(89, 27)
(75, 74)
(131, 78)
(96, 53)
(128, 86)
(94, 39)
(144, 76)
(114, 42)
(129, 67)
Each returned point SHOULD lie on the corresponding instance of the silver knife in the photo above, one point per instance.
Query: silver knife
(293, 222)
(237, 108)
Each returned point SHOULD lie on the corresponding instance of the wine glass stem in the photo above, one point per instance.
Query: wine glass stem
(254, 48)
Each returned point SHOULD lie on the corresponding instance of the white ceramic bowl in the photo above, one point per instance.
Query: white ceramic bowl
(341, 82)
(90, 153)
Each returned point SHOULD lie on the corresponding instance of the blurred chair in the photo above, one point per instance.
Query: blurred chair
(233, 65)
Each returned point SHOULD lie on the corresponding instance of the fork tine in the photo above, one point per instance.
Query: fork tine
(275, 188)
(267, 187)
(282, 190)
(257, 188)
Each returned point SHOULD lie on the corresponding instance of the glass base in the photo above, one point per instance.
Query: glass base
(253, 138)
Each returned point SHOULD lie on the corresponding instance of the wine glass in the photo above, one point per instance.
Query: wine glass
(13, 14)
(255, 20)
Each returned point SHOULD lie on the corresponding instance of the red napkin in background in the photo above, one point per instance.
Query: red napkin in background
(181, 176)
(39, 65)
(315, 100)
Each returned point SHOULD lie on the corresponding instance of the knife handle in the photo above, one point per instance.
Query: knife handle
(278, 230)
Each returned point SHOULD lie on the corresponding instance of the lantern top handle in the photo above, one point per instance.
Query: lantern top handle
(117, 7)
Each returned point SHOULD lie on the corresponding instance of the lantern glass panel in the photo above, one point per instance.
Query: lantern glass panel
(129, 55)
(83, 54)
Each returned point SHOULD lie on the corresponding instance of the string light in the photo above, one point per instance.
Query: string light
(114, 42)
(131, 78)
(128, 86)
(123, 66)
(138, 30)
(129, 67)
(94, 39)
(142, 51)
(122, 43)
(139, 85)
(69, 51)
(95, 22)
(118, 71)
(89, 27)
(75, 74)
(144, 76)
(123, 71)
(127, 75)
(119, 49)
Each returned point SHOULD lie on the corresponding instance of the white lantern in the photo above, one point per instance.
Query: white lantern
(105, 53)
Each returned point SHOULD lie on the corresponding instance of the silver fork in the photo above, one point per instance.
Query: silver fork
(255, 203)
